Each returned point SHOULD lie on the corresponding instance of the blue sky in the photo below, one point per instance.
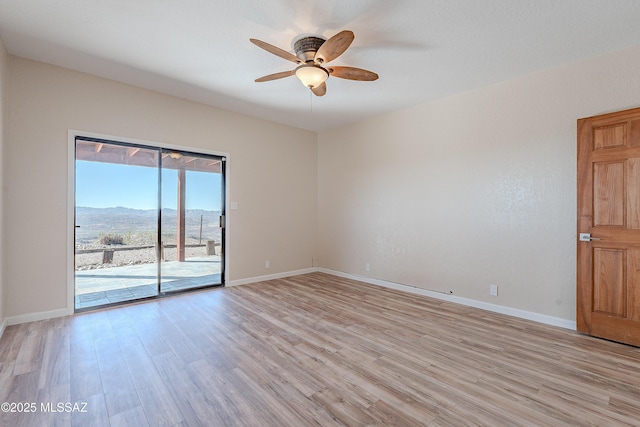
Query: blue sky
(105, 185)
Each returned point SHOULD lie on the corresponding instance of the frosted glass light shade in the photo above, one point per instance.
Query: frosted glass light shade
(311, 76)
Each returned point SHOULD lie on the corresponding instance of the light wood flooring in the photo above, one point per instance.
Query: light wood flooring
(313, 350)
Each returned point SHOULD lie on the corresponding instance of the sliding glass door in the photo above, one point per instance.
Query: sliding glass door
(148, 221)
(191, 237)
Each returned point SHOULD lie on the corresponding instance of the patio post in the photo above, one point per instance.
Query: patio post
(182, 182)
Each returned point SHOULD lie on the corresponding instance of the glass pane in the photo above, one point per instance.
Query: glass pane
(191, 235)
(116, 223)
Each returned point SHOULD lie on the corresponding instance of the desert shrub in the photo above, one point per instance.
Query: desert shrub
(111, 239)
(139, 238)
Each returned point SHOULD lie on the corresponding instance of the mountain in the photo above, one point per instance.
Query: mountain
(94, 222)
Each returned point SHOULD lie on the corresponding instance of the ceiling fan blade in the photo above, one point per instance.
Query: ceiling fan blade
(275, 76)
(353, 73)
(276, 51)
(334, 47)
(320, 90)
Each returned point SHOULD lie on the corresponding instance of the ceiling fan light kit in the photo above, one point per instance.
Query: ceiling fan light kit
(311, 75)
(311, 53)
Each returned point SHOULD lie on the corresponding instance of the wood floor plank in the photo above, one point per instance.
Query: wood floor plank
(84, 369)
(48, 400)
(343, 409)
(119, 391)
(314, 349)
(21, 389)
(156, 401)
(55, 367)
(131, 418)
(283, 414)
(191, 391)
(213, 401)
(29, 357)
(96, 414)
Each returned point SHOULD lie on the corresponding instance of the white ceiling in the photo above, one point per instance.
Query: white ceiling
(422, 49)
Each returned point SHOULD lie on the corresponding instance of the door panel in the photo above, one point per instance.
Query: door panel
(633, 285)
(116, 218)
(634, 133)
(608, 266)
(608, 193)
(191, 207)
(609, 136)
(633, 193)
(609, 294)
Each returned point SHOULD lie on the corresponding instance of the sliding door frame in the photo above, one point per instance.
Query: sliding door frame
(71, 165)
(223, 257)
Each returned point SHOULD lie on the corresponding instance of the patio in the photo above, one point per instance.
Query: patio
(117, 284)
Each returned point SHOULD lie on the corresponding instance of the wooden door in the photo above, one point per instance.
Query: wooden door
(608, 271)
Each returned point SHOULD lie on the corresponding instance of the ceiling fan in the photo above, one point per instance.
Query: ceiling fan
(312, 53)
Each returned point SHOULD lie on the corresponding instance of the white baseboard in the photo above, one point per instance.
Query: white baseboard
(43, 315)
(270, 277)
(522, 314)
(32, 317)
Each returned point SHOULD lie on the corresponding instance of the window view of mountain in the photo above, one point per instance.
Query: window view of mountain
(139, 226)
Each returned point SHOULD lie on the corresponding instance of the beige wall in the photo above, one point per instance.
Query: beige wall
(453, 195)
(472, 190)
(3, 120)
(271, 172)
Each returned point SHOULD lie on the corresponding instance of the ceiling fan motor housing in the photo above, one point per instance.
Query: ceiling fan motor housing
(307, 47)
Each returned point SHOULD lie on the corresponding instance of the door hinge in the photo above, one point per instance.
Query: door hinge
(222, 221)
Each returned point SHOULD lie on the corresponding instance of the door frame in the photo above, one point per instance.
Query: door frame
(70, 250)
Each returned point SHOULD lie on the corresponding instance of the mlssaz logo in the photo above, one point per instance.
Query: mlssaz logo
(63, 407)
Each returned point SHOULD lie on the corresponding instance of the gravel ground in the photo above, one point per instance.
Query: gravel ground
(93, 261)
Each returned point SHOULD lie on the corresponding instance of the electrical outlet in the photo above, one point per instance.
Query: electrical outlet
(367, 267)
(493, 290)
(266, 264)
